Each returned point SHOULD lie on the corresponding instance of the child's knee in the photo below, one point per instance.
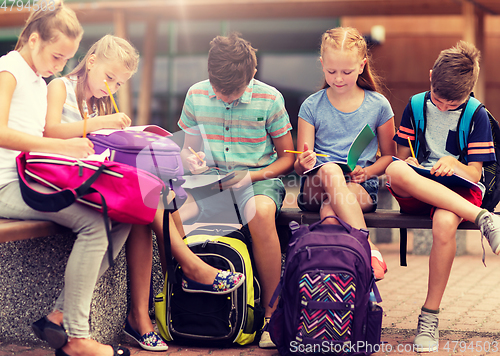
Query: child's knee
(396, 170)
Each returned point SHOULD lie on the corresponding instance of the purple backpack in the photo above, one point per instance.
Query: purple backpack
(324, 291)
(146, 150)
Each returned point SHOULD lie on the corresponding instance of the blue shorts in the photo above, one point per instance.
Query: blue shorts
(370, 185)
(215, 203)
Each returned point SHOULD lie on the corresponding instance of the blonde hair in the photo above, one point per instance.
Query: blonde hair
(49, 23)
(346, 39)
(455, 71)
(108, 48)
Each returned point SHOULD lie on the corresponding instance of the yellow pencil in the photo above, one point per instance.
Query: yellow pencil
(111, 96)
(411, 148)
(298, 152)
(196, 154)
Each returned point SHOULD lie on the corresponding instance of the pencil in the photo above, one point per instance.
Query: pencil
(298, 152)
(196, 154)
(111, 96)
(411, 148)
(85, 116)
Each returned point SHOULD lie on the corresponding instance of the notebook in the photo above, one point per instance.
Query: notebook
(359, 144)
(449, 181)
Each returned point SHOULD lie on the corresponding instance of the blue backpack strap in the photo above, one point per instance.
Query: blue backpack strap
(417, 103)
(465, 125)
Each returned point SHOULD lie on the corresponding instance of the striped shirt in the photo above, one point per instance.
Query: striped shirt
(240, 133)
(70, 112)
(441, 135)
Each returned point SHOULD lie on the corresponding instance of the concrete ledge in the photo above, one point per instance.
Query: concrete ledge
(31, 278)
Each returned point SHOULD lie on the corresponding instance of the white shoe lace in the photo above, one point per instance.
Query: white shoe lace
(486, 227)
(427, 324)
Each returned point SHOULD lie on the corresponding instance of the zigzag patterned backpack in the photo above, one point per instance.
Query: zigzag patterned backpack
(325, 286)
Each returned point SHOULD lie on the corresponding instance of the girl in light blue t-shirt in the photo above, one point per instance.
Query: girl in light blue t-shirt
(329, 121)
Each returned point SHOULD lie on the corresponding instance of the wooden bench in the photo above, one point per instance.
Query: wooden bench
(382, 218)
(14, 230)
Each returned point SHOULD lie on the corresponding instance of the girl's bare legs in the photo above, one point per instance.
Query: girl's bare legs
(139, 252)
(347, 201)
(192, 266)
(328, 188)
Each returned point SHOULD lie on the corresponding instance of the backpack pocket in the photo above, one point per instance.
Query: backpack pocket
(374, 325)
(326, 307)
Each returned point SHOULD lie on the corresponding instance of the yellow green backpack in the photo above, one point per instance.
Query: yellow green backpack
(210, 319)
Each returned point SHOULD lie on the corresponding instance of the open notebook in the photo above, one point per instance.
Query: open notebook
(359, 144)
(150, 128)
(449, 181)
(203, 180)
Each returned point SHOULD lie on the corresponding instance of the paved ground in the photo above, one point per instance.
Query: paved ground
(469, 319)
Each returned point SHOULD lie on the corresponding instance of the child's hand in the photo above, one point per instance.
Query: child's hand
(358, 175)
(195, 165)
(445, 166)
(412, 161)
(78, 147)
(117, 121)
(241, 179)
(307, 159)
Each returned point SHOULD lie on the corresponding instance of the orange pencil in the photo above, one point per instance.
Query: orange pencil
(111, 96)
(411, 148)
(196, 154)
(299, 152)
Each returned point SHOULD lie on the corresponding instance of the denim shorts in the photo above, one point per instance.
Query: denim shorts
(370, 185)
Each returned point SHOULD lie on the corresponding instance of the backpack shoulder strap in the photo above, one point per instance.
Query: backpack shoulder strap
(417, 105)
(465, 124)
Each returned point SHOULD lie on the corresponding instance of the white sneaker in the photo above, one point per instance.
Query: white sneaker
(266, 342)
(489, 224)
(427, 339)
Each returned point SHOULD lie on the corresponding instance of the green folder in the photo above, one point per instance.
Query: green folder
(364, 137)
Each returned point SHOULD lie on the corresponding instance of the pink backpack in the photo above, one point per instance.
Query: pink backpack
(119, 191)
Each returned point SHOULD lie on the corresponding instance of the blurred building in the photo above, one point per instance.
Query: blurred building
(173, 37)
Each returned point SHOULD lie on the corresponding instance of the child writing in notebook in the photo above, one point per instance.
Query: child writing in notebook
(247, 129)
(329, 121)
(452, 78)
(115, 60)
(47, 41)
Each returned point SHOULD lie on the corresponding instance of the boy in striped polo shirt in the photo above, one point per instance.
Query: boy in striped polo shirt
(240, 124)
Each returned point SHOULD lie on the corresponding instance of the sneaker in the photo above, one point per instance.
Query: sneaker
(265, 339)
(427, 339)
(489, 224)
(378, 264)
(224, 282)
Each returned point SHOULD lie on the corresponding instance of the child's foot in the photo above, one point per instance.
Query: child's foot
(427, 339)
(150, 341)
(224, 282)
(265, 339)
(489, 224)
(378, 264)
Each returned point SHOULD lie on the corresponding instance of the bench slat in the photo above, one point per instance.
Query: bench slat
(14, 230)
(382, 218)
